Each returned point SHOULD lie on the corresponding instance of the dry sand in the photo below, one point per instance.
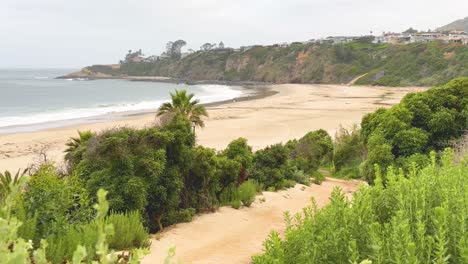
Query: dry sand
(234, 236)
(294, 111)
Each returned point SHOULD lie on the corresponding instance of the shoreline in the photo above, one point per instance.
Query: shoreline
(252, 92)
(280, 113)
(164, 79)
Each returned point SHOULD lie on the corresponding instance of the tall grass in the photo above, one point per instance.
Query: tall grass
(416, 218)
(128, 233)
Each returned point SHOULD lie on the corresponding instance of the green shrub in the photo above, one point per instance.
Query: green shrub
(349, 149)
(62, 245)
(300, 177)
(318, 177)
(129, 231)
(229, 194)
(285, 184)
(179, 216)
(270, 165)
(247, 192)
(416, 218)
(348, 172)
(421, 122)
(312, 150)
(236, 204)
(55, 202)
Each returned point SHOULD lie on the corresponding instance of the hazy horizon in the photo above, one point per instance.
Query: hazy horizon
(59, 34)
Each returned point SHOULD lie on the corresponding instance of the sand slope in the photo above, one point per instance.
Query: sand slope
(233, 236)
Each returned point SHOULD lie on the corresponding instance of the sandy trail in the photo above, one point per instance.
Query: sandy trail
(234, 236)
(294, 111)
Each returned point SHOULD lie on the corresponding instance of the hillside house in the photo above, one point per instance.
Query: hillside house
(425, 37)
(396, 38)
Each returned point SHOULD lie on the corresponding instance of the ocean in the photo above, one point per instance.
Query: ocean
(32, 99)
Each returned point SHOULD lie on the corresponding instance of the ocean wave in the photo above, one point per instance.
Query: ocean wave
(208, 94)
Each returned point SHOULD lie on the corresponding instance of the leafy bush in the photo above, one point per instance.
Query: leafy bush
(318, 177)
(421, 122)
(302, 178)
(312, 150)
(247, 192)
(269, 165)
(417, 218)
(14, 249)
(179, 216)
(228, 195)
(239, 151)
(236, 204)
(349, 148)
(128, 231)
(54, 202)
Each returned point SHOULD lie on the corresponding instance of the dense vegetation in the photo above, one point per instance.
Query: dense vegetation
(422, 64)
(420, 217)
(422, 122)
(415, 212)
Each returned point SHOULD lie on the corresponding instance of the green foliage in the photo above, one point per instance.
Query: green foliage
(236, 204)
(64, 249)
(76, 146)
(417, 218)
(312, 150)
(239, 151)
(183, 104)
(318, 177)
(7, 179)
(201, 183)
(247, 192)
(55, 202)
(423, 121)
(179, 216)
(300, 177)
(128, 231)
(269, 165)
(229, 194)
(349, 148)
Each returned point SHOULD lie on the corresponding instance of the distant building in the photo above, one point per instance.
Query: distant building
(339, 39)
(396, 38)
(425, 37)
(137, 59)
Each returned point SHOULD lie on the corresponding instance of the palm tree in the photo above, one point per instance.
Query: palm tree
(76, 145)
(7, 180)
(184, 104)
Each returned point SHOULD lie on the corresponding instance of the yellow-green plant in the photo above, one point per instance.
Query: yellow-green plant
(420, 217)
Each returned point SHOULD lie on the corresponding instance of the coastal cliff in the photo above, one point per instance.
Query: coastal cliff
(419, 64)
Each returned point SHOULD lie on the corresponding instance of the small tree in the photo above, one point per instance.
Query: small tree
(241, 152)
(183, 104)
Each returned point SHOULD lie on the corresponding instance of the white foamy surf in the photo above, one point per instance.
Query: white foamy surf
(211, 93)
(32, 102)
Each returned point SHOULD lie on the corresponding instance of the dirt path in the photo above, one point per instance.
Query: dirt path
(233, 236)
(356, 79)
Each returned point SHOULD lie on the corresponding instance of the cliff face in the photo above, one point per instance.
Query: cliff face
(393, 65)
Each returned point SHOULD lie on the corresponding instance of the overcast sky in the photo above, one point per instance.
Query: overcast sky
(67, 33)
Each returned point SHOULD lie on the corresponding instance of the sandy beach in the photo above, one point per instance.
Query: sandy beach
(295, 110)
